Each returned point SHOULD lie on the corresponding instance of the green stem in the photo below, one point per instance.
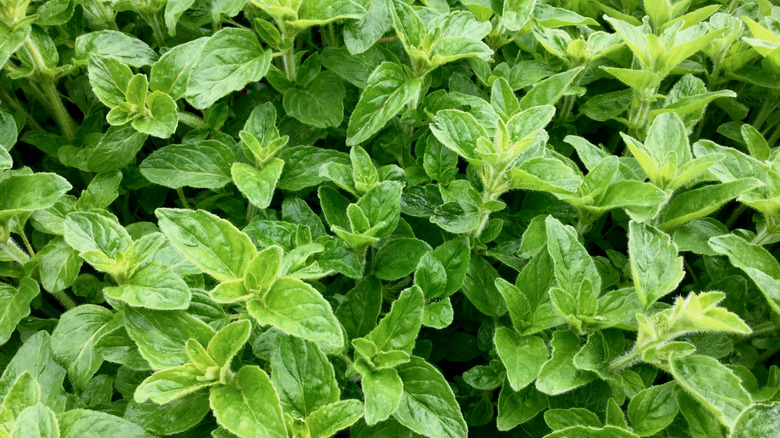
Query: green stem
(154, 23)
(27, 245)
(182, 198)
(289, 64)
(762, 236)
(16, 106)
(192, 121)
(568, 104)
(332, 35)
(105, 16)
(53, 98)
(735, 215)
(775, 136)
(766, 109)
(763, 328)
(66, 301)
(624, 361)
(13, 249)
(61, 114)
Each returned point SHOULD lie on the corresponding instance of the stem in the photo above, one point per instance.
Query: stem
(66, 301)
(27, 245)
(764, 112)
(53, 98)
(16, 106)
(775, 136)
(154, 23)
(763, 328)
(192, 121)
(13, 249)
(61, 114)
(735, 215)
(568, 104)
(624, 361)
(105, 16)
(182, 198)
(289, 64)
(332, 35)
(387, 39)
(761, 236)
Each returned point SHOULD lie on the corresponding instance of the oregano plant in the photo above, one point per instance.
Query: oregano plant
(389, 218)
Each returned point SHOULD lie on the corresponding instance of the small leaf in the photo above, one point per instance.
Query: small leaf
(250, 407)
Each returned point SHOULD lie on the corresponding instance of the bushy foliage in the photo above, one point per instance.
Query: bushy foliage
(389, 218)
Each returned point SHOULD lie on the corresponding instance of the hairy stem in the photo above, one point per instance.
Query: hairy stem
(64, 299)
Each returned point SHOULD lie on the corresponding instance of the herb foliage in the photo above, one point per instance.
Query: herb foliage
(439, 218)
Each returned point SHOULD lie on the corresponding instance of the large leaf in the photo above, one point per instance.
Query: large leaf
(390, 87)
(250, 407)
(428, 405)
(213, 244)
(229, 60)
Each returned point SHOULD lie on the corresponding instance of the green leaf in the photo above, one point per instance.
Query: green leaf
(757, 420)
(458, 131)
(24, 392)
(523, 356)
(550, 90)
(35, 356)
(438, 314)
(203, 164)
(383, 390)
(154, 287)
(758, 263)
(559, 374)
(515, 408)
(161, 336)
(331, 418)
(82, 423)
(74, 341)
(298, 309)
(115, 150)
(382, 207)
(320, 104)
(249, 407)
(213, 244)
(114, 44)
(479, 287)
(171, 418)
(573, 266)
(713, 385)
(87, 232)
(230, 59)
(559, 419)
(592, 432)
(359, 310)
(390, 87)
(302, 166)
(361, 34)
(15, 305)
(171, 384)
(653, 409)
(702, 201)
(399, 328)
(37, 421)
(517, 13)
(171, 73)
(303, 376)
(257, 185)
(18, 198)
(428, 406)
(399, 257)
(109, 79)
(655, 266)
